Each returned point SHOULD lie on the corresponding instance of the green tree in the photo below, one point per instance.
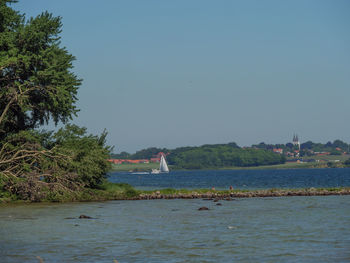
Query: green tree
(45, 165)
(88, 154)
(340, 144)
(37, 85)
(220, 155)
(147, 153)
(36, 82)
(122, 155)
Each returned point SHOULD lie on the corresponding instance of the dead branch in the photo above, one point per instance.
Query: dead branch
(22, 167)
(6, 109)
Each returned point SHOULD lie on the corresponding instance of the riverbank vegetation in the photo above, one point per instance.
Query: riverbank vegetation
(105, 191)
(38, 86)
(147, 167)
(237, 193)
(114, 191)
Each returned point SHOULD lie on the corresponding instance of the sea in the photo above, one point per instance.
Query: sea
(239, 179)
(280, 229)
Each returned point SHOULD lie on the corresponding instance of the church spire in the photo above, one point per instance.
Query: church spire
(296, 140)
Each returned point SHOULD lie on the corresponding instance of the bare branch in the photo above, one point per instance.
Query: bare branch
(6, 109)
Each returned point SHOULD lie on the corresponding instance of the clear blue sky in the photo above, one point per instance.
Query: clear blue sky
(171, 73)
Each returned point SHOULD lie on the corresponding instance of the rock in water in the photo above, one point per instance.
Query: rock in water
(203, 208)
(85, 217)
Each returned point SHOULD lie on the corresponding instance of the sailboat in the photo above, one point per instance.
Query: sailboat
(163, 167)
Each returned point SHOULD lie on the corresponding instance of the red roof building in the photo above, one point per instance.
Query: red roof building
(278, 150)
(121, 161)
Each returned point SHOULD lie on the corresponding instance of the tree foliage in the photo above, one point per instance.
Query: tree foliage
(30, 171)
(122, 155)
(221, 155)
(37, 85)
(44, 165)
(35, 72)
(148, 153)
(88, 153)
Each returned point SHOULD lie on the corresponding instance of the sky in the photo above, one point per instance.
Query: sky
(164, 73)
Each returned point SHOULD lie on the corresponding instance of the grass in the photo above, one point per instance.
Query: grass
(278, 166)
(109, 191)
(322, 164)
(140, 167)
(327, 158)
(185, 193)
(172, 191)
(148, 167)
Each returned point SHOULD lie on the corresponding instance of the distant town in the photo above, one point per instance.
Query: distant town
(226, 155)
(301, 152)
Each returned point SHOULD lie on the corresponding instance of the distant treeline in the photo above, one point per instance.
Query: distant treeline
(230, 154)
(142, 154)
(210, 156)
(222, 155)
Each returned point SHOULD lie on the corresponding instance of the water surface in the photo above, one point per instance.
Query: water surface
(241, 179)
(285, 229)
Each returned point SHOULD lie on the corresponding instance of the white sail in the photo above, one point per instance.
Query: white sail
(163, 166)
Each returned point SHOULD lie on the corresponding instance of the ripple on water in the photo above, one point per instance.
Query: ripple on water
(253, 230)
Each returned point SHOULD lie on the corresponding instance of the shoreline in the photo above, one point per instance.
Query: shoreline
(126, 192)
(221, 195)
(262, 167)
